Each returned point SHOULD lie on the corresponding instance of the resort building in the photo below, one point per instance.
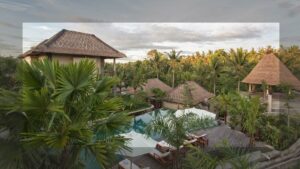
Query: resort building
(270, 71)
(70, 46)
(188, 94)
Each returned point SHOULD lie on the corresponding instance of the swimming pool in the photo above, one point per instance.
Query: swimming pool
(140, 122)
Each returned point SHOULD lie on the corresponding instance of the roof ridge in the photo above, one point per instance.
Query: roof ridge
(54, 37)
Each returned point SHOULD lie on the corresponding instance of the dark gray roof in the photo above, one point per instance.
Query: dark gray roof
(75, 43)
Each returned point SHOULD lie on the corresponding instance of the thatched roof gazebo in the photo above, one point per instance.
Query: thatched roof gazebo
(155, 83)
(70, 46)
(178, 97)
(271, 71)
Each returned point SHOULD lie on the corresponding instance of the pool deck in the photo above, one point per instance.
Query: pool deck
(215, 135)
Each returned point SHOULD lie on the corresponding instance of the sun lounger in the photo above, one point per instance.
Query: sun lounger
(163, 158)
(192, 141)
(127, 164)
(164, 146)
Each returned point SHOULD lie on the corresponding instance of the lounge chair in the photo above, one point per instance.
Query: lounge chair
(192, 141)
(163, 158)
(164, 146)
(202, 140)
(127, 164)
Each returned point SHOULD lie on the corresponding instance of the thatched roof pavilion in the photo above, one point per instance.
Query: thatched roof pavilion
(273, 72)
(155, 83)
(70, 46)
(197, 93)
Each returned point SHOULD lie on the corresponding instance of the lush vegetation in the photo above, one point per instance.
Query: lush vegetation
(135, 102)
(246, 114)
(8, 79)
(61, 115)
(218, 71)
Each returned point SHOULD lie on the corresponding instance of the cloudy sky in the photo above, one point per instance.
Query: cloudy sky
(136, 39)
(13, 13)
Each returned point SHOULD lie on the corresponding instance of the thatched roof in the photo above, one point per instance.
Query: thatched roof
(155, 83)
(74, 43)
(273, 72)
(198, 93)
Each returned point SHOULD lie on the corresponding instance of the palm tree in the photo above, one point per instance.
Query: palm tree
(175, 59)
(173, 129)
(62, 115)
(155, 58)
(214, 68)
(223, 102)
(238, 64)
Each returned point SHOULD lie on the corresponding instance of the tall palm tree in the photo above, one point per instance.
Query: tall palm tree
(175, 59)
(62, 115)
(238, 63)
(155, 58)
(214, 68)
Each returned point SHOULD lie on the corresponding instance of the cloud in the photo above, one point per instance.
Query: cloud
(14, 6)
(46, 28)
(292, 7)
(150, 36)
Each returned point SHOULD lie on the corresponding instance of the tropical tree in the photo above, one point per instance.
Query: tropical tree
(173, 130)
(252, 113)
(214, 68)
(155, 58)
(8, 68)
(238, 64)
(223, 103)
(62, 115)
(175, 59)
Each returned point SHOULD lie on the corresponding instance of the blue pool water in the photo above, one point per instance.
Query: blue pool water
(139, 123)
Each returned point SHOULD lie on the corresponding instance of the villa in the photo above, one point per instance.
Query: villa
(71, 46)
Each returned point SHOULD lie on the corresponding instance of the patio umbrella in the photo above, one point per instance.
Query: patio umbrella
(139, 143)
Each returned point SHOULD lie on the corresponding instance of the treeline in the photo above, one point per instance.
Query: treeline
(218, 71)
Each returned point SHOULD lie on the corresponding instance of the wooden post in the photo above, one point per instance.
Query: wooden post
(114, 65)
(269, 103)
(250, 88)
(102, 67)
(114, 74)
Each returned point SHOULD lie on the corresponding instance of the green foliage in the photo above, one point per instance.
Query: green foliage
(173, 130)
(158, 94)
(61, 115)
(275, 131)
(8, 66)
(223, 157)
(135, 102)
